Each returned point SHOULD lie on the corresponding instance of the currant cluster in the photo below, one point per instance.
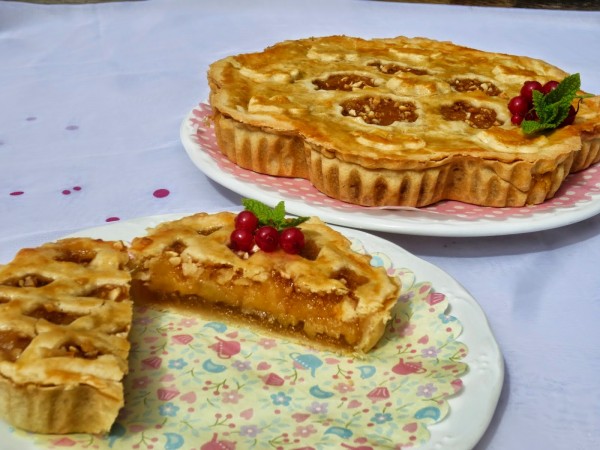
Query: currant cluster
(247, 232)
(521, 106)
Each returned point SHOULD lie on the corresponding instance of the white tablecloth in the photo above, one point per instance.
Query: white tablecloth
(92, 97)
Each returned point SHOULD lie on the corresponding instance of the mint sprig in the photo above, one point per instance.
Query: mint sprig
(553, 108)
(274, 217)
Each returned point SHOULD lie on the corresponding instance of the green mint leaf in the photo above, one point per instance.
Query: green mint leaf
(553, 108)
(566, 90)
(533, 126)
(294, 222)
(278, 215)
(260, 210)
(543, 110)
(274, 217)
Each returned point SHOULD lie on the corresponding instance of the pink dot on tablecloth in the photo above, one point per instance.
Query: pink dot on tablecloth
(31, 118)
(112, 219)
(68, 191)
(72, 127)
(15, 193)
(161, 193)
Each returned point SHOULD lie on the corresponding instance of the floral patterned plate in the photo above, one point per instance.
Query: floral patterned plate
(206, 385)
(577, 200)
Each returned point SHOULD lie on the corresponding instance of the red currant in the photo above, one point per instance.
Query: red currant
(517, 119)
(532, 115)
(549, 87)
(570, 117)
(242, 240)
(246, 220)
(291, 240)
(518, 105)
(267, 238)
(528, 88)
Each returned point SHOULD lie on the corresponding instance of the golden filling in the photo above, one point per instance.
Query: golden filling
(51, 313)
(12, 344)
(286, 309)
(380, 110)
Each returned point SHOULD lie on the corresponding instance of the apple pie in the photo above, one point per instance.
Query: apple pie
(326, 295)
(395, 122)
(65, 316)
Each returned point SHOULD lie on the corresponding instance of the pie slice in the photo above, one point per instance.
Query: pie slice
(65, 316)
(395, 122)
(327, 295)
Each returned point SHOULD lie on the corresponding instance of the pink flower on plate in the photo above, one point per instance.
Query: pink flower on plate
(231, 397)
(188, 322)
(141, 382)
(406, 329)
(342, 388)
(305, 431)
(267, 343)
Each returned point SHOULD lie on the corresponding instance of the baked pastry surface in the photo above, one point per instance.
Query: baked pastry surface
(395, 122)
(65, 316)
(327, 296)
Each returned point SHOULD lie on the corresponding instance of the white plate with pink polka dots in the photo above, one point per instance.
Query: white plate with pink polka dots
(577, 200)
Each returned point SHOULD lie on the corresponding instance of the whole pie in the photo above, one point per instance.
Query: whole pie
(65, 316)
(327, 295)
(395, 122)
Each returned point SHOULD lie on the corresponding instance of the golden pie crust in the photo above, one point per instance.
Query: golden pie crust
(328, 295)
(65, 316)
(395, 122)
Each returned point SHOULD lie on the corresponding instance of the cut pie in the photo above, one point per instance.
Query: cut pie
(402, 121)
(65, 316)
(327, 295)
(66, 309)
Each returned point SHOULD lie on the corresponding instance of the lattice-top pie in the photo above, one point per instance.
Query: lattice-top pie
(327, 294)
(403, 121)
(65, 315)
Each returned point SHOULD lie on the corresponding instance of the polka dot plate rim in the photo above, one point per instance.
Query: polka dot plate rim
(577, 200)
(469, 411)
